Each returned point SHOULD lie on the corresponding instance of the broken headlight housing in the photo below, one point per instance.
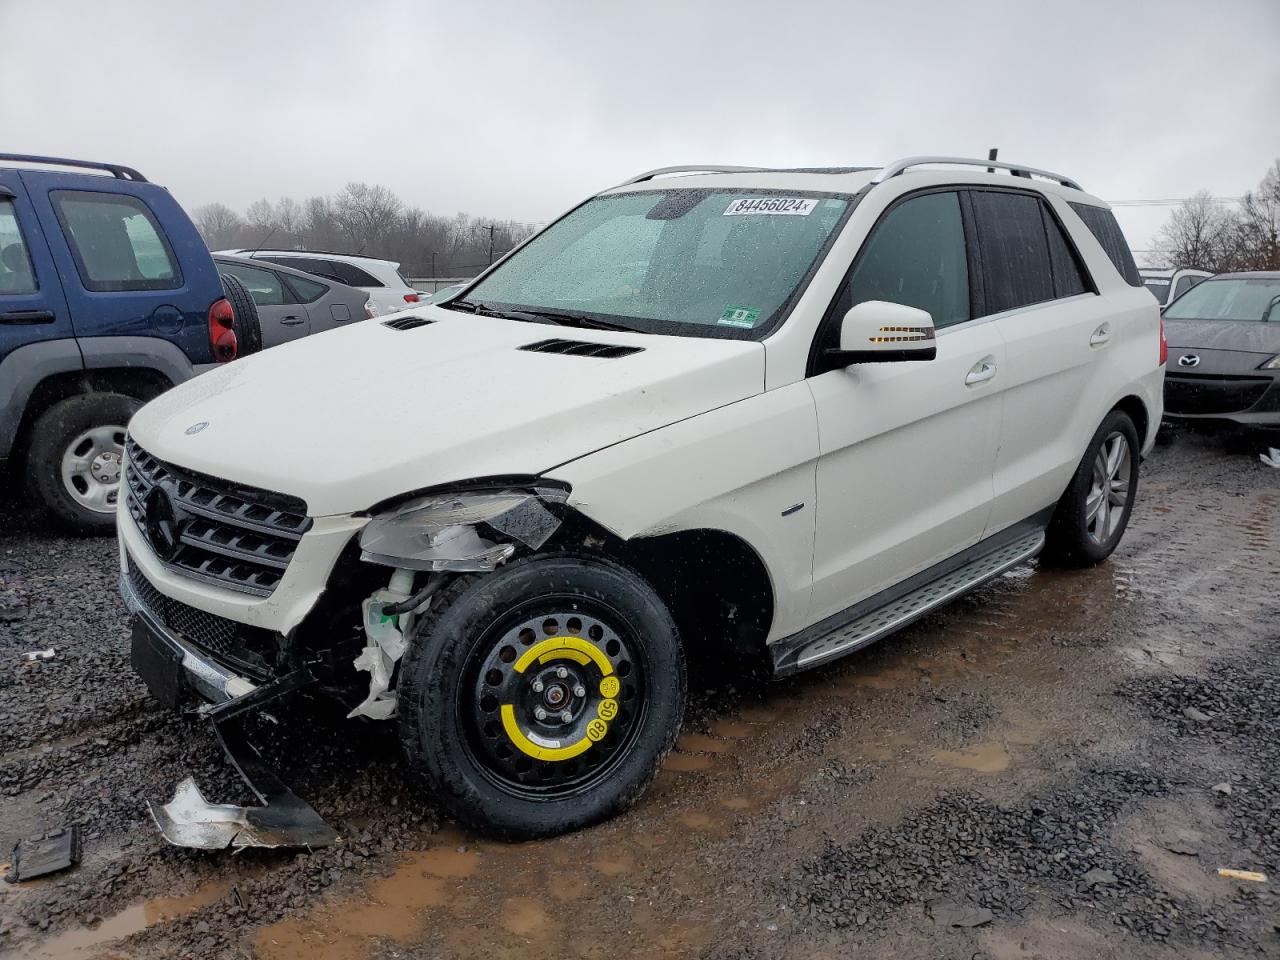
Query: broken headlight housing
(468, 531)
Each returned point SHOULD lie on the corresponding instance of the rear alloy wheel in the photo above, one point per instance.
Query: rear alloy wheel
(1092, 514)
(1106, 505)
(542, 697)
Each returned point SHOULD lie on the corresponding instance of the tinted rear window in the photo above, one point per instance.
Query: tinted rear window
(1102, 224)
(116, 241)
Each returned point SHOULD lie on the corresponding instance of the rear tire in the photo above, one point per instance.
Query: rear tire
(248, 326)
(543, 697)
(74, 460)
(1093, 513)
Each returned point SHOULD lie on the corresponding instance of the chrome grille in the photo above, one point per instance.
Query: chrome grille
(223, 533)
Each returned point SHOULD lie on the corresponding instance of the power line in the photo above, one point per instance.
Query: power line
(1173, 202)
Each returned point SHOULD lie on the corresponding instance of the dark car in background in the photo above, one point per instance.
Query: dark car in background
(1224, 351)
(292, 304)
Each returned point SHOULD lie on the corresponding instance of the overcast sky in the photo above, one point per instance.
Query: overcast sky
(518, 109)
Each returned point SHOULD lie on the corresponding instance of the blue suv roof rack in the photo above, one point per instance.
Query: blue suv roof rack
(119, 171)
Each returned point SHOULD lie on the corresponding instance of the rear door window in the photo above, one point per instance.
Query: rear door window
(916, 256)
(352, 275)
(1016, 266)
(264, 285)
(307, 291)
(16, 273)
(1069, 276)
(116, 242)
(1102, 224)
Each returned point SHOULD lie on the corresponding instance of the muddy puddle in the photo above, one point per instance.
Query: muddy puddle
(86, 943)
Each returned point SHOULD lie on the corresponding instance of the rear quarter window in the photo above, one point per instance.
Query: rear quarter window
(116, 242)
(1102, 224)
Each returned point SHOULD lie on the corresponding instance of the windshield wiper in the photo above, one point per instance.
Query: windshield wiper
(577, 320)
(541, 316)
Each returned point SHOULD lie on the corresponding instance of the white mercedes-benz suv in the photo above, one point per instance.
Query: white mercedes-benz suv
(777, 413)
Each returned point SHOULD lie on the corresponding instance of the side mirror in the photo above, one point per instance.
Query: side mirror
(881, 332)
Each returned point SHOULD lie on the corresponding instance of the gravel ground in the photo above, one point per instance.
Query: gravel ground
(1055, 766)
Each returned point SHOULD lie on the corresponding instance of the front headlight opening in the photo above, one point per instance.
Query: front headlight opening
(468, 531)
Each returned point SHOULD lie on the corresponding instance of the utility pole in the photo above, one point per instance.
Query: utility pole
(491, 228)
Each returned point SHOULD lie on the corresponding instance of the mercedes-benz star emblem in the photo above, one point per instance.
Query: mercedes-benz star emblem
(162, 524)
(1188, 360)
(196, 427)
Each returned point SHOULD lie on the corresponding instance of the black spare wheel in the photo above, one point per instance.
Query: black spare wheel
(543, 697)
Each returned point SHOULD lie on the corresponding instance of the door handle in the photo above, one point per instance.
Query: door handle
(27, 316)
(1100, 336)
(292, 321)
(981, 372)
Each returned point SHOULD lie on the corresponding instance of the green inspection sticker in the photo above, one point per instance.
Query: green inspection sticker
(739, 317)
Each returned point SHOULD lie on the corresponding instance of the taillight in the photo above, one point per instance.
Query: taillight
(369, 311)
(1164, 345)
(410, 298)
(222, 331)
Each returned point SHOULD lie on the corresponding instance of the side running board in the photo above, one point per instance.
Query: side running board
(870, 625)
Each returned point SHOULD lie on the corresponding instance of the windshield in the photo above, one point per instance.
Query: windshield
(693, 262)
(1240, 298)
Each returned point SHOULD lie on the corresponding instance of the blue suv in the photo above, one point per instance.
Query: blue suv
(108, 297)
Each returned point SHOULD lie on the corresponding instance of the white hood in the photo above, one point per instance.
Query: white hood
(349, 418)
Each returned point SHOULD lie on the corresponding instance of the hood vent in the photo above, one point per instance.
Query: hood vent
(581, 348)
(406, 323)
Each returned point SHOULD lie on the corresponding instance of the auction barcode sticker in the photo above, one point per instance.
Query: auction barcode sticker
(786, 206)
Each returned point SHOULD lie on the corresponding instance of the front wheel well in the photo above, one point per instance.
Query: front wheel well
(714, 583)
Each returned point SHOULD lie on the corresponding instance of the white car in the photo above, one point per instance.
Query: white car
(776, 413)
(389, 291)
(1168, 285)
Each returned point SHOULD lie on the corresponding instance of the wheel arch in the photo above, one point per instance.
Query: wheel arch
(715, 584)
(1137, 411)
(141, 383)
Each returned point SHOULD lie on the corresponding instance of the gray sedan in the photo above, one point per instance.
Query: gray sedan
(1224, 351)
(292, 304)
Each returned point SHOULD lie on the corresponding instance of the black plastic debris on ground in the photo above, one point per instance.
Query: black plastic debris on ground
(55, 851)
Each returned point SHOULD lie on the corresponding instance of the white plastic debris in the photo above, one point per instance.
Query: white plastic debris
(384, 649)
(1271, 458)
(38, 655)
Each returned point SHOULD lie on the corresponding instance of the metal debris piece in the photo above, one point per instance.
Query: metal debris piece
(284, 819)
(55, 851)
(34, 655)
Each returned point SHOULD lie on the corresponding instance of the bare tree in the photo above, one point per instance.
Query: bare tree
(219, 225)
(1200, 234)
(1260, 222)
(368, 219)
(366, 213)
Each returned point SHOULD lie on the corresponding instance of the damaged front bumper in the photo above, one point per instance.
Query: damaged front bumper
(171, 667)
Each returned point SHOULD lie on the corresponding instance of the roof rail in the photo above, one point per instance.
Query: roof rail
(692, 168)
(1017, 169)
(119, 171)
(309, 252)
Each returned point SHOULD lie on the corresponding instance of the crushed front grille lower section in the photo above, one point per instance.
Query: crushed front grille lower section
(251, 649)
(234, 536)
